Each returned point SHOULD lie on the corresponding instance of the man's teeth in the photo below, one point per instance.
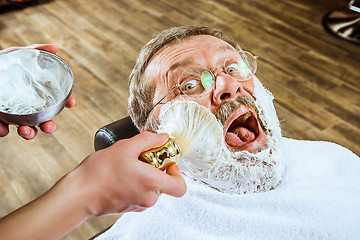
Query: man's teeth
(245, 116)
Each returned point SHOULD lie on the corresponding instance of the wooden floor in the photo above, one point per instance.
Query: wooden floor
(314, 76)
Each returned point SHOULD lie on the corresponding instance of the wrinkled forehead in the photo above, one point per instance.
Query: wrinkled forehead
(201, 50)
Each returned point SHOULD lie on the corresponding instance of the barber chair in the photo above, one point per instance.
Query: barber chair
(115, 131)
(108, 135)
(11, 5)
(344, 22)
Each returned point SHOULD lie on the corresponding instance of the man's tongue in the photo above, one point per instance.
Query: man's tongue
(239, 137)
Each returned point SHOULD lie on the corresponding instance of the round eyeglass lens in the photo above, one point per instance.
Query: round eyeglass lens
(196, 81)
(206, 79)
(241, 66)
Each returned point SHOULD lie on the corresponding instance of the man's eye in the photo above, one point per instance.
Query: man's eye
(233, 67)
(189, 85)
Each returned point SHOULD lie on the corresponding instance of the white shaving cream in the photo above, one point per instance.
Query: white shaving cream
(205, 156)
(198, 133)
(245, 172)
(30, 81)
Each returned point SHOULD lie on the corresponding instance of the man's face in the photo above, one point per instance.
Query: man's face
(242, 129)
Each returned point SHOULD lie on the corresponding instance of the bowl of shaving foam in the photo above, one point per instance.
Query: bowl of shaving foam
(35, 86)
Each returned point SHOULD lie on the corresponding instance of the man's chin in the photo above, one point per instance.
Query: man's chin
(245, 172)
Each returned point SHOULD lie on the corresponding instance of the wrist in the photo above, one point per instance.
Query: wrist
(65, 207)
(51, 216)
(72, 195)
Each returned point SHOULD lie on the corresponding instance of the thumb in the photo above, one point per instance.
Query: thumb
(174, 184)
(46, 47)
(147, 140)
(173, 170)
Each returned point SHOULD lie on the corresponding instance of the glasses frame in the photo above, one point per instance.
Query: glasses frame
(242, 55)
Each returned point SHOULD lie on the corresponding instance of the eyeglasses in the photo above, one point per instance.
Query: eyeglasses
(196, 82)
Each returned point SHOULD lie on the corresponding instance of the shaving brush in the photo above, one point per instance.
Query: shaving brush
(163, 156)
(195, 138)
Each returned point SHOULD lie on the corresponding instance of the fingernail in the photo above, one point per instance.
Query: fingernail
(177, 167)
(53, 127)
(164, 135)
(26, 133)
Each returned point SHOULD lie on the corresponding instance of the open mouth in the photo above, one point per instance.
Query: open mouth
(243, 132)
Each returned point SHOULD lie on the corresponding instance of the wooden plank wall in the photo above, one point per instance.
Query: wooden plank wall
(313, 75)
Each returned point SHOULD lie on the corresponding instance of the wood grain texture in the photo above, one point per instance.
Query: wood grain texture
(314, 76)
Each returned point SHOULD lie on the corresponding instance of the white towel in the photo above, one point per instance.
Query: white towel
(319, 198)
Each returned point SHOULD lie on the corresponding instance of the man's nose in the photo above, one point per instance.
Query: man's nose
(227, 88)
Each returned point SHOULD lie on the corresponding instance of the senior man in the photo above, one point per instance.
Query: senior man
(263, 186)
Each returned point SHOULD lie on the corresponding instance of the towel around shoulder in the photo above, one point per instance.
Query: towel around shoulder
(318, 198)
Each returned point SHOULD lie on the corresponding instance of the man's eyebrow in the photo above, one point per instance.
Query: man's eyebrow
(184, 63)
(224, 48)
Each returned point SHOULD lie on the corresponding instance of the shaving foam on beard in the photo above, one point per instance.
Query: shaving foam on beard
(197, 133)
(200, 134)
(246, 172)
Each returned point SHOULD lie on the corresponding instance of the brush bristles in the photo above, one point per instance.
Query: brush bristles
(197, 131)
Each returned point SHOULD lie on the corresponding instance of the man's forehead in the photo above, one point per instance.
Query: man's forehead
(189, 60)
(201, 53)
(191, 44)
(198, 50)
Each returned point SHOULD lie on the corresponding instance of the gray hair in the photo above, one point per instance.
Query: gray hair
(142, 89)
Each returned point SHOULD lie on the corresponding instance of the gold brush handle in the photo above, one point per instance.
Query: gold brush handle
(163, 156)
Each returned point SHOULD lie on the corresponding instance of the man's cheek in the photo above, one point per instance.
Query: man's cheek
(249, 87)
(152, 120)
(207, 103)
